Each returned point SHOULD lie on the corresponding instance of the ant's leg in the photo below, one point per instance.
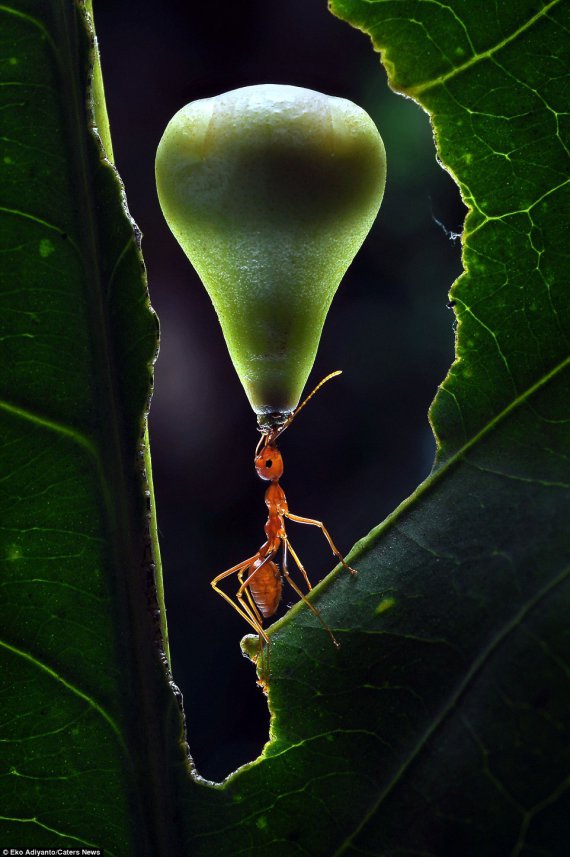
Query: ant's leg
(244, 615)
(245, 588)
(252, 605)
(246, 582)
(249, 607)
(298, 562)
(326, 534)
(291, 582)
(262, 659)
(237, 607)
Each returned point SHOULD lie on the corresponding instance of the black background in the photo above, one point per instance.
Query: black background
(364, 442)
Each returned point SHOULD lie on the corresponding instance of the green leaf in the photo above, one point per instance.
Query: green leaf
(439, 726)
(77, 342)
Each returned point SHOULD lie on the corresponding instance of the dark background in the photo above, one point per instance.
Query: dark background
(388, 329)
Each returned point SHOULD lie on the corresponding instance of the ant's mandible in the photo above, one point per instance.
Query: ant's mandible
(259, 592)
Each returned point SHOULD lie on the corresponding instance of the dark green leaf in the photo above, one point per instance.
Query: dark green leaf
(76, 346)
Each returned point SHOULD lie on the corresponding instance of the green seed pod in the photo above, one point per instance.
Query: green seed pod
(270, 191)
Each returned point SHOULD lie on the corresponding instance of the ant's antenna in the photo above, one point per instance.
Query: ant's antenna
(292, 416)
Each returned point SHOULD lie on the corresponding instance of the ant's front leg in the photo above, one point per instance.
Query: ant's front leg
(326, 534)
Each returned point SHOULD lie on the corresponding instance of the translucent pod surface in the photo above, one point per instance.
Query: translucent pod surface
(270, 190)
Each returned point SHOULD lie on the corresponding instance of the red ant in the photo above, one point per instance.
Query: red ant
(260, 592)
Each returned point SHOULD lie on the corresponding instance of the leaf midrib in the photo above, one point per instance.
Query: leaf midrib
(154, 781)
(414, 91)
(439, 472)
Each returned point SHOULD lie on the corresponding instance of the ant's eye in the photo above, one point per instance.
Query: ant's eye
(268, 463)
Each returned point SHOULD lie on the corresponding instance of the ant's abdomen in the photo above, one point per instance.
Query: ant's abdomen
(266, 586)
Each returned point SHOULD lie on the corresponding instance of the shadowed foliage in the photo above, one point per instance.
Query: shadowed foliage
(439, 726)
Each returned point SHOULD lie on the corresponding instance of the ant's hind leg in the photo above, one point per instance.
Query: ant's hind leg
(262, 657)
(239, 608)
(298, 562)
(252, 605)
(291, 582)
(326, 534)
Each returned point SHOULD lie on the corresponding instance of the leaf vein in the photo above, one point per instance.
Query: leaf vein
(69, 686)
(483, 55)
(52, 425)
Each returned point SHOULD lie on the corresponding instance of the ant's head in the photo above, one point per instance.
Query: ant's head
(269, 464)
(268, 461)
